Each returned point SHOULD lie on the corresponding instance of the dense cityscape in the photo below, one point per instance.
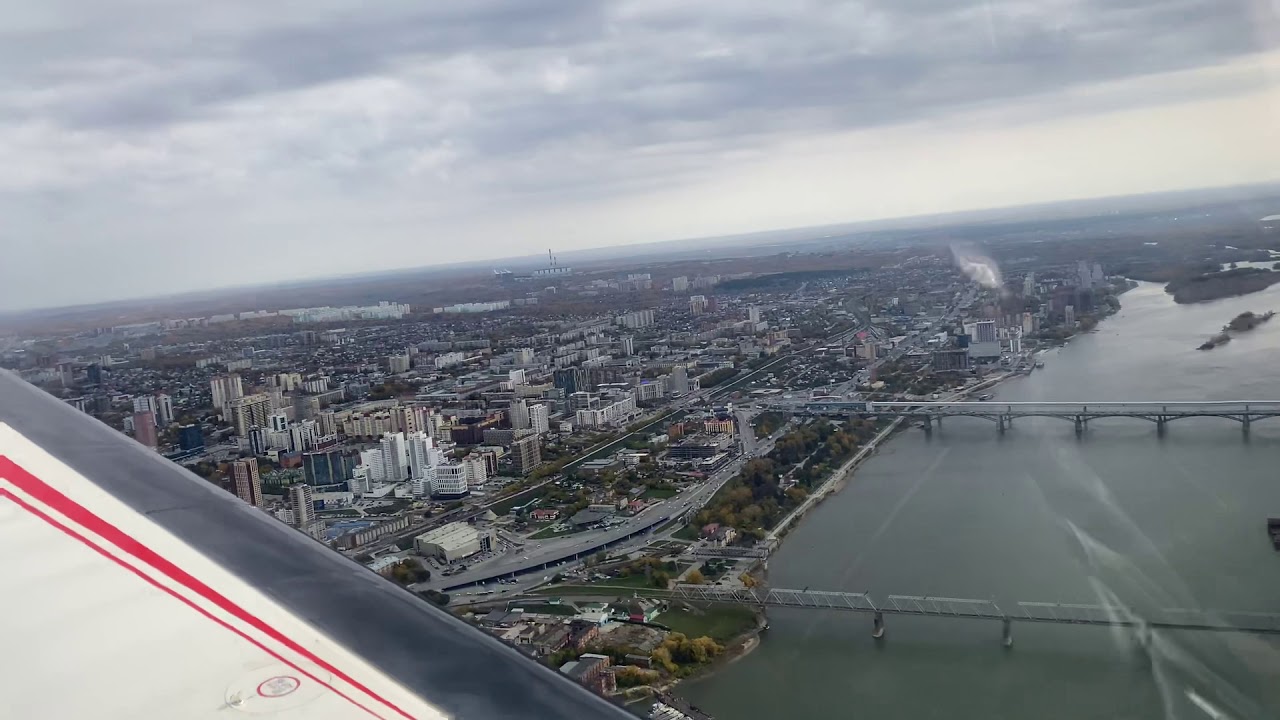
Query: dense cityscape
(522, 460)
(682, 361)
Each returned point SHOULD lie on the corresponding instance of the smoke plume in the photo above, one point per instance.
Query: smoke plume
(978, 267)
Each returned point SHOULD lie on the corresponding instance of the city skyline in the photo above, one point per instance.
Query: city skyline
(660, 426)
(336, 140)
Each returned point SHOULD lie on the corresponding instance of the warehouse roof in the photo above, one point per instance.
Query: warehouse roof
(453, 535)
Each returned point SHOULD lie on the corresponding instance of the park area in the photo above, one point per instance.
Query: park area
(721, 623)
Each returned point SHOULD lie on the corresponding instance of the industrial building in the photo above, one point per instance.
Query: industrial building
(453, 542)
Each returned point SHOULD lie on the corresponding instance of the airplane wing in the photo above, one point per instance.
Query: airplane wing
(132, 588)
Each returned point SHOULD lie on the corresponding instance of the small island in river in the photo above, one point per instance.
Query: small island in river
(1226, 283)
(1243, 322)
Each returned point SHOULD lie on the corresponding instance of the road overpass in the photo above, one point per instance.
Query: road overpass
(1021, 612)
(1159, 412)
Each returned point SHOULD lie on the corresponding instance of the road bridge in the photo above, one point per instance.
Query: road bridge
(1159, 412)
(1022, 612)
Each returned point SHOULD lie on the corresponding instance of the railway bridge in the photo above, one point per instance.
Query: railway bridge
(1022, 612)
(1159, 412)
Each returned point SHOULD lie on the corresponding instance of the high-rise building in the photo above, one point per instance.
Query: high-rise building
(302, 436)
(225, 388)
(636, 320)
(395, 456)
(164, 410)
(572, 379)
(1085, 274)
(516, 377)
(405, 419)
(519, 412)
(144, 403)
(276, 396)
(423, 454)
(327, 423)
(305, 407)
(1098, 277)
(984, 339)
(144, 428)
(375, 469)
(982, 331)
(421, 485)
(190, 437)
(680, 284)
(679, 379)
(247, 411)
(288, 382)
(278, 422)
(450, 481)
(359, 482)
(1069, 316)
(246, 482)
(94, 373)
(697, 304)
(526, 454)
(523, 356)
(259, 440)
(753, 314)
(474, 468)
(628, 345)
(955, 359)
(1029, 284)
(325, 467)
(539, 420)
(1015, 340)
(614, 413)
(398, 364)
(302, 502)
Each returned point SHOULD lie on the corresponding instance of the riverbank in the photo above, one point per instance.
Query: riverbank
(831, 487)
(971, 513)
(837, 480)
(750, 640)
(736, 649)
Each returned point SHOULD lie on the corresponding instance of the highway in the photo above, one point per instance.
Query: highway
(536, 554)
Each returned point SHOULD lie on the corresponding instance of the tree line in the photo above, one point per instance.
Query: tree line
(755, 499)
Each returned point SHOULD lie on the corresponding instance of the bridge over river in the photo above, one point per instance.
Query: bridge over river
(1024, 612)
(1159, 412)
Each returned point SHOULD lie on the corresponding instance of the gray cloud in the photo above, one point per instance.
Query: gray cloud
(499, 102)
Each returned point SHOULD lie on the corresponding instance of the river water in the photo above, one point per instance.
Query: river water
(1038, 514)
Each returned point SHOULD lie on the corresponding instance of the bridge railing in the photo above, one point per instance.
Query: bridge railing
(1045, 612)
(820, 600)
(959, 607)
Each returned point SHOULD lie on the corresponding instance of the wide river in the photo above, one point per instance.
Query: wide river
(1118, 515)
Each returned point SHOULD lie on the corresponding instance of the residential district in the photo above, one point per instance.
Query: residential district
(550, 463)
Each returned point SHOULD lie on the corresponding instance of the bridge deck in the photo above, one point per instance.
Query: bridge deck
(1039, 612)
(1159, 412)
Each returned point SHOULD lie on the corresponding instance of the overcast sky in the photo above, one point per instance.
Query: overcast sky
(153, 146)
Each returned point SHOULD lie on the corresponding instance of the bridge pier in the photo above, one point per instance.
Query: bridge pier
(1080, 425)
(1244, 423)
(928, 423)
(1006, 632)
(877, 625)
(1161, 421)
(1000, 424)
